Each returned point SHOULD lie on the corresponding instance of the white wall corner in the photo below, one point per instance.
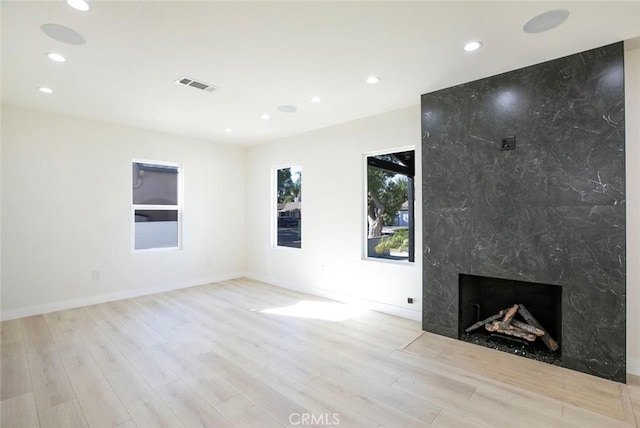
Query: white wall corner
(633, 366)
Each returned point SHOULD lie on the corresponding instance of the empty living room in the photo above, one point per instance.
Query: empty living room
(384, 214)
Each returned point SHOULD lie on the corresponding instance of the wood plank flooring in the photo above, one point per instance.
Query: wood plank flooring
(242, 353)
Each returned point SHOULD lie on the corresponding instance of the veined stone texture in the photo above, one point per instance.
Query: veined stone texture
(550, 211)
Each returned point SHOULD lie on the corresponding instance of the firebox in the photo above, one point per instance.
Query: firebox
(523, 318)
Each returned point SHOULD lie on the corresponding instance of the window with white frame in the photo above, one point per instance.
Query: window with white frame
(289, 207)
(156, 204)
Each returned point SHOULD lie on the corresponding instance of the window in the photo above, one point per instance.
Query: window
(289, 207)
(390, 200)
(156, 205)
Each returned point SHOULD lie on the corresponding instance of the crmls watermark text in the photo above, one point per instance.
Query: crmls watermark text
(314, 419)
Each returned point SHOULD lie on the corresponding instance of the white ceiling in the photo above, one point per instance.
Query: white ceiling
(265, 54)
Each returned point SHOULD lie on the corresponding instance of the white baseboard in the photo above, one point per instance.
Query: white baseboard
(633, 366)
(61, 305)
(412, 314)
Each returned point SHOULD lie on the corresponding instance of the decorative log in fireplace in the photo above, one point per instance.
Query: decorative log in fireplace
(529, 330)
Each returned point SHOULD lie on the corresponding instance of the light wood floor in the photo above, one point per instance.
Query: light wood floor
(208, 357)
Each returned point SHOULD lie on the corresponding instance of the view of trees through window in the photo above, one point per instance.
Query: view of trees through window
(289, 207)
(390, 222)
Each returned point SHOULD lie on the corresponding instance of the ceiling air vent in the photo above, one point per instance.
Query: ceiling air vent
(187, 81)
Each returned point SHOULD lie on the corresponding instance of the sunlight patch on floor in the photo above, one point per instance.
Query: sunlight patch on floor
(327, 311)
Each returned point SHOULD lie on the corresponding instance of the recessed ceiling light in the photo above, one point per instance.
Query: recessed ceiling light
(228, 130)
(372, 80)
(45, 90)
(315, 99)
(265, 116)
(287, 109)
(80, 5)
(473, 46)
(63, 34)
(546, 21)
(56, 57)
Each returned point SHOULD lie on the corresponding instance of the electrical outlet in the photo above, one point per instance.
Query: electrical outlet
(508, 143)
(410, 300)
(95, 275)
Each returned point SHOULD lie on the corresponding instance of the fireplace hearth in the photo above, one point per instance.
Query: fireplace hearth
(513, 346)
(518, 317)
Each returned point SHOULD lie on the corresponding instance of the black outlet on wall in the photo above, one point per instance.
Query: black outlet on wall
(508, 143)
(409, 299)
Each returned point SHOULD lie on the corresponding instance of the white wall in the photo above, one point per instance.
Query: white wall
(66, 211)
(632, 105)
(331, 262)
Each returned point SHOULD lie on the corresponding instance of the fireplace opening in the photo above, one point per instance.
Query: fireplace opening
(518, 317)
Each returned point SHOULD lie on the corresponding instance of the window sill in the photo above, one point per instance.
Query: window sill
(153, 250)
(388, 261)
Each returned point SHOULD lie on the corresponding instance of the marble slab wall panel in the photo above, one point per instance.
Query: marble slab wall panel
(550, 211)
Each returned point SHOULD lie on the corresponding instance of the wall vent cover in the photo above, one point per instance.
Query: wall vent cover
(188, 81)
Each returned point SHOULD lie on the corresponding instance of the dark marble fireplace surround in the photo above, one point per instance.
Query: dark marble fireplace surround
(551, 211)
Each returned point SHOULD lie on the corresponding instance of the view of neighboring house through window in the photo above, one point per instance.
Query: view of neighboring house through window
(156, 205)
(390, 200)
(289, 207)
